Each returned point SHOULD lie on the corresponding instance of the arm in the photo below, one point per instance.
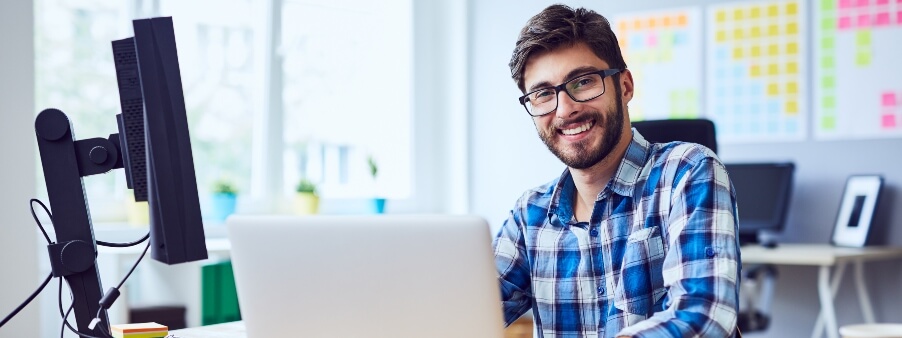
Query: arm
(513, 269)
(701, 265)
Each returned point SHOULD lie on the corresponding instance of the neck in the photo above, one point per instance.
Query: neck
(591, 181)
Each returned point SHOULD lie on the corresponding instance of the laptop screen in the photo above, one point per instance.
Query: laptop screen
(763, 191)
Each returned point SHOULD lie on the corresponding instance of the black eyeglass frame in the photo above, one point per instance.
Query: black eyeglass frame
(563, 88)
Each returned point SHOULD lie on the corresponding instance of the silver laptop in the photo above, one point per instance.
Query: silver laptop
(366, 276)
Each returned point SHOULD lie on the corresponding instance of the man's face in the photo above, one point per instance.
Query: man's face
(580, 134)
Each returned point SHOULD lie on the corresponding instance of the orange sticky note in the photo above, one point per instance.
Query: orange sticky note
(682, 20)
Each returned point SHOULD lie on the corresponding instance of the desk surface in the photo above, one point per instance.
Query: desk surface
(814, 254)
(227, 330)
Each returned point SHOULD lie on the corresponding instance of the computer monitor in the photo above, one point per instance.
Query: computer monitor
(153, 145)
(763, 191)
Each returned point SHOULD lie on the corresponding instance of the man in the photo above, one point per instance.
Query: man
(634, 239)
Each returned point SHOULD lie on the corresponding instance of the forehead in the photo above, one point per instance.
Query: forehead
(552, 66)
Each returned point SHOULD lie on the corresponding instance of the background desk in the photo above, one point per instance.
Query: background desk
(827, 258)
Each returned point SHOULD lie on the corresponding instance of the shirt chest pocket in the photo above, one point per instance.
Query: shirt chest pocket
(641, 283)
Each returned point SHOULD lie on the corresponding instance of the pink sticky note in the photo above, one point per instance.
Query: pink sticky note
(845, 22)
(864, 20)
(652, 40)
(882, 19)
(899, 16)
(846, 3)
(888, 121)
(863, 3)
(882, 2)
(889, 99)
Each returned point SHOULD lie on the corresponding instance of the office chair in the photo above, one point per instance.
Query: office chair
(699, 131)
(758, 280)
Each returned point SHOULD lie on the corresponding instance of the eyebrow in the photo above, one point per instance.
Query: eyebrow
(570, 75)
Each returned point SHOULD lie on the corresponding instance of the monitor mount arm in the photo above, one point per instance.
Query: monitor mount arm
(65, 161)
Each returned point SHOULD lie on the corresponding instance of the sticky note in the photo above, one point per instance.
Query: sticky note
(773, 11)
(682, 20)
(637, 24)
(773, 30)
(827, 62)
(846, 3)
(845, 22)
(773, 89)
(738, 34)
(828, 82)
(722, 54)
(792, 28)
(888, 121)
(863, 3)
(792, 88)
(737, 91)
(755, 12)
(737, 53)
(721, 36)
(652, 40)
(828, 102)
(773, 49)
(739, 71)
(889, 99)
(828, 24)
(667, 21)
(863, 38)
(721, 73)
(755, 32)
(755, 51)
(738, 14)
(755, 108)
(882, 19)
(755, 70)
(792, 68)
(899, 16)
(864, 20)
(827, 4)
(863, 58)
(622, 25)
(721, 91)
(773, 69)
(827, 42)
(757, 91)
(792, 107)
(882, 2)
(792, 8)
(652, 23)
(828, 123)
(792, 48)
(773, 107)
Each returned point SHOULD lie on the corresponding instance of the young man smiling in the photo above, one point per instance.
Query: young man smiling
(634, 239)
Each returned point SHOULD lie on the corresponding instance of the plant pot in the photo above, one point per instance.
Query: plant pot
(306, 203)
(223, 206)
(377, 205)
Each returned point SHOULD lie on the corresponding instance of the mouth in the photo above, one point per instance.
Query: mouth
(578, 129)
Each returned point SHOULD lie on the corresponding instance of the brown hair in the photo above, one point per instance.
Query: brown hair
(559, 25)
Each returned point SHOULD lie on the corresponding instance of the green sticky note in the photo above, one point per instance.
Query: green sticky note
(828, 82)
(828, 42)
(863, 38)
(863, 59)
(828, 122)
(827, 62)
(828, 102)
(828, 4)
(828, 24)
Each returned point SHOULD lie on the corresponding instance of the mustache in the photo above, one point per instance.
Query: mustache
(584, 117)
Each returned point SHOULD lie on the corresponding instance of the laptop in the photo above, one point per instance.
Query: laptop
(366, 276)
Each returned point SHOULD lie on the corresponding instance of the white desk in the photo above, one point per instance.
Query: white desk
(826, 257)
(226, 330)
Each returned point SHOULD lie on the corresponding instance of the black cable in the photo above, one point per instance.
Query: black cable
(65, 320)
(25, 303)
(123, 245)
(66, 315)
(134, 266)
(36, 220)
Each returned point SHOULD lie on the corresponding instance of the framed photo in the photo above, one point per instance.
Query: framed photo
(856, 211)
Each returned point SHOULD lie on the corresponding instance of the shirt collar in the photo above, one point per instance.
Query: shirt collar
(623, 182)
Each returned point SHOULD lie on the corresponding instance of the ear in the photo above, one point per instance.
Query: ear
(626, 84)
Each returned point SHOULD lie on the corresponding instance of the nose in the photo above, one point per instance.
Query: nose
(566, 107)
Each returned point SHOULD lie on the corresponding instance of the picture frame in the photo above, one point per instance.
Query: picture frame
(856, 210)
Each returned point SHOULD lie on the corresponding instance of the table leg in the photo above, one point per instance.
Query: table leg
(826, 292)
(867, 311)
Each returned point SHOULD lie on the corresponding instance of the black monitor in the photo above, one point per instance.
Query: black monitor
(154, 147)
(763, 192)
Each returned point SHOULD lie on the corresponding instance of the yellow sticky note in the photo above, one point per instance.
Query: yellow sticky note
(863, 59)
(773, 69)
(773, 30)
(721, 35)
(666, 21)
(637, 24)
(720, 16)
(756, 51)
(792, 68)
(737, 53)
(792, 48)
(773, 89)
(682, 20)
(773, 49)
(755, 12)
(738, 14)
(623, 26)
(756, 32)
(792, 88)
(863, 37)
(756, 70)
(792, 28)
(792, 8)
(792, 107)
(738, 34)
(773, 10)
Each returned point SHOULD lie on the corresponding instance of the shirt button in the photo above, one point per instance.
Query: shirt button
(600, 290)
(709, 251)
(594, 232)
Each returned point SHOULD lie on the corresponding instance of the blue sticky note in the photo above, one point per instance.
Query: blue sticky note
(722, 54)
(637, 41)
(773, 127)
(737, 91)
(721, 108)
(757, 91)
(738, 71)
(792, 126)
(721, 92)
(721, 73)
(680, 38)
(755, 108)
(755, 127)
(739, 109)
(773, 107)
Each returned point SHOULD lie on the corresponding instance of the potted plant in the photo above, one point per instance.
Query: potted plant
(225, 197)
(377, 203)
(306, 201)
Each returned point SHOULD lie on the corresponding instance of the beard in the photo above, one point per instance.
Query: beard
(586, 153)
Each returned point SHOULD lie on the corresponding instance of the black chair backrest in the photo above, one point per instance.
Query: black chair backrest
(699, 131)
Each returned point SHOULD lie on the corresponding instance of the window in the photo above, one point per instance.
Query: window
(310, 90)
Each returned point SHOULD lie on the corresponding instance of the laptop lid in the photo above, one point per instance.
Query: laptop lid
(366, 276)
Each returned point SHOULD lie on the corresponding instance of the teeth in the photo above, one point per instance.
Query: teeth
(577, 130)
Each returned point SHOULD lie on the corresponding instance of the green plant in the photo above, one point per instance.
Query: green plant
(224, 186)
(374, 168)
(306, 186)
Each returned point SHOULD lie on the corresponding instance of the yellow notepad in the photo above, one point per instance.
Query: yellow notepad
(139, 330)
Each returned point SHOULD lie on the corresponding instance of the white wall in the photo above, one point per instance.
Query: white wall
(18, 237)
(507, 157)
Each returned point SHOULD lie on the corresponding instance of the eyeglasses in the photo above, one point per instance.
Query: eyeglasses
(581, 89)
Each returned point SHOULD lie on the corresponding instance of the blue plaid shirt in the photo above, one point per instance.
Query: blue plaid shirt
(658, 258)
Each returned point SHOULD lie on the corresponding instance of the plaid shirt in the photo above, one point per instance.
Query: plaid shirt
(658, 258)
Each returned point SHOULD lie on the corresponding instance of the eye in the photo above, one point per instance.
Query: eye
(542, 95)
(586, 81)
